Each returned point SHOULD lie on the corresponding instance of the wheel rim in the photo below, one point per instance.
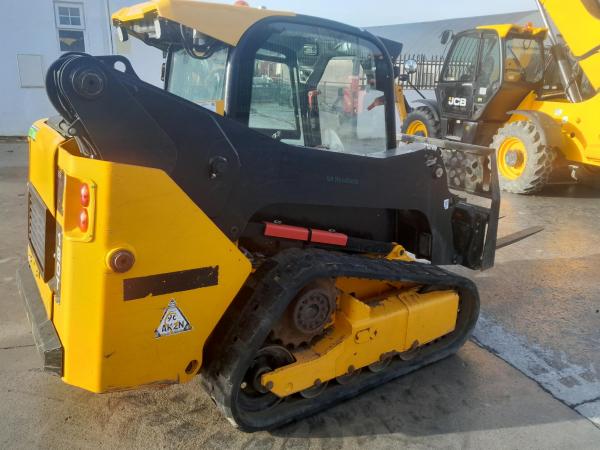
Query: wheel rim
(417, 128)
(512, 158)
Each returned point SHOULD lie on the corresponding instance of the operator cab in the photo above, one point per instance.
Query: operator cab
(300, 80)
(487, 72)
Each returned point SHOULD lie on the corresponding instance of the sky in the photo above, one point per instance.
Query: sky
(365, 13)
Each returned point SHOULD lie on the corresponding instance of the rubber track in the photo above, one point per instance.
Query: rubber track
(246, 326)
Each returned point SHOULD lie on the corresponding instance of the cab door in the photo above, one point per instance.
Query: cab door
(455, 90)
(521, 71)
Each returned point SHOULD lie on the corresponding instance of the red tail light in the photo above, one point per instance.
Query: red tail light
(83, 220)
(84, 193)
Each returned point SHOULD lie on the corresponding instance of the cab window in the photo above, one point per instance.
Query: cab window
(274, 109)
(327, 83)
(200, 80)
(490, 71)
(489, 75)
(524, 60)
(462, 62)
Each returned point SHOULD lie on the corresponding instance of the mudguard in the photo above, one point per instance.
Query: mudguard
(431, 104)
(544, 123)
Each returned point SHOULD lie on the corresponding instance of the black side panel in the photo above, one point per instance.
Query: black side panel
(232, 172)
(167, 283)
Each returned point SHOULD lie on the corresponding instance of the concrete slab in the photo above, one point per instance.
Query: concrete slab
(591, 410)
(14, 328)
(541, 301)
(473, 400)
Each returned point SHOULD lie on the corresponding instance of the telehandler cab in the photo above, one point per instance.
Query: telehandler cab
(538, 109)
(254, 222)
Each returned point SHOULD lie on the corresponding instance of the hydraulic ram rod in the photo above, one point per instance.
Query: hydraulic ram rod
(559, 52)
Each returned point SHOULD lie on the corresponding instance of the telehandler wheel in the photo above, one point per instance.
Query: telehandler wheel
(525, 162)
(421, 122)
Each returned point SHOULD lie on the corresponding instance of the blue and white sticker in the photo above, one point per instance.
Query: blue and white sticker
(173, 322)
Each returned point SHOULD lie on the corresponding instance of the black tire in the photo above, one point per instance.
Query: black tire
(539, 162)
(424, 115)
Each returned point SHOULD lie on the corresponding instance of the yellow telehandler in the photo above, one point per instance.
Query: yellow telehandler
(498, 87)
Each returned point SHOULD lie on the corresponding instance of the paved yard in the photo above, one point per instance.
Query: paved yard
(528, 384)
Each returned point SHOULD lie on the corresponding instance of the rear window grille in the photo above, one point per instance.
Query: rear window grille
(41, 234)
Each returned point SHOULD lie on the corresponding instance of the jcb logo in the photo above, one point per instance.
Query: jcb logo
(457, 101)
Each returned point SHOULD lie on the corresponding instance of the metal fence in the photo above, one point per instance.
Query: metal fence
(428, 70)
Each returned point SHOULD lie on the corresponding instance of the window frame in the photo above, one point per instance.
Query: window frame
(237, 99)
(76, 28)
(168, 69)
(500, 48)
(541, 52)
(477, 35)
(295, 134)
(57, 15)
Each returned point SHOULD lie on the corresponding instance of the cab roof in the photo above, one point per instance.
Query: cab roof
(226, 23)
(504, 29)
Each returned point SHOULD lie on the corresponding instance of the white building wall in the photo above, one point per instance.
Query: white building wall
(28, 27)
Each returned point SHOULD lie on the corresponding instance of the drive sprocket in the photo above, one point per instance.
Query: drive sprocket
(308, 314)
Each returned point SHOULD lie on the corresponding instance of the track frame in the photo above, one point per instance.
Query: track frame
(246, 327)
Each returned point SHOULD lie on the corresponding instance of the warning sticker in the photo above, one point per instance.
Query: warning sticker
(173, 322)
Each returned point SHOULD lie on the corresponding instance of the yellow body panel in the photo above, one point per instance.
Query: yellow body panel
(578, 21)
(226, 23)
(135, 12)
(400, 106)
(505, 28)
(580, 125)
(365, 332)
(110, 343)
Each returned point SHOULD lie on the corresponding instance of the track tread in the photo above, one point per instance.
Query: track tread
(247, 325)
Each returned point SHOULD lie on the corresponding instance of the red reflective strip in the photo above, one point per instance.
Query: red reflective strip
(328, 237)
(286, 231)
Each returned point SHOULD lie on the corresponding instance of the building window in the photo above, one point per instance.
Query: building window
(70, 25)
(71, 41)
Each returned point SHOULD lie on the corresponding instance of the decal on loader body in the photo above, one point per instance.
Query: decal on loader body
(173, 321)
(457, 101)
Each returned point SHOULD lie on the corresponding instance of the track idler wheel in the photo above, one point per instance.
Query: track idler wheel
(308, 314)
(253, 395)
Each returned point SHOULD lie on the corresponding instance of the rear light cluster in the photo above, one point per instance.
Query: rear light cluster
(84, 197)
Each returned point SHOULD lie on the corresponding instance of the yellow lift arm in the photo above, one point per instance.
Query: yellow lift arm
(578, 22)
